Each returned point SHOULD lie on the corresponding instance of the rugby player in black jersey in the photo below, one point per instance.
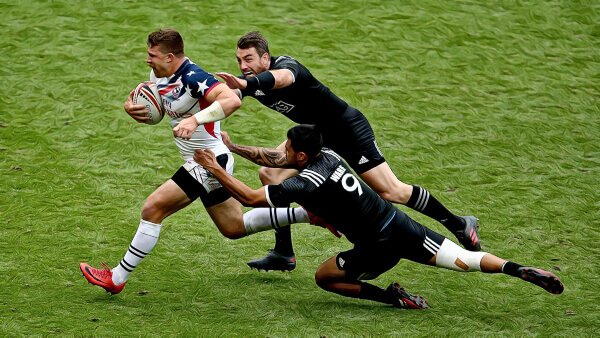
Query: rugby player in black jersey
(381, 234)
(286, 86)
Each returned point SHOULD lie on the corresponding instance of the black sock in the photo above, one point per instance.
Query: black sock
(283, 242)
(511, 268)
(374, 293)
(422, 201)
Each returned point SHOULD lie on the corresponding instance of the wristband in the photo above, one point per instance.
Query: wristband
(264, 80)
(212, 113)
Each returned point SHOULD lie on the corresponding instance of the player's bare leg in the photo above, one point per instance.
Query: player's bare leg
(451, 256)
(168, 199)
(164, 201)
(234, 224)
(228, 218)
(330, 278)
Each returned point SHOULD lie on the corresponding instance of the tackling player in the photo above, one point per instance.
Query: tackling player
(186, 89)
(286, 86)
(381, 234)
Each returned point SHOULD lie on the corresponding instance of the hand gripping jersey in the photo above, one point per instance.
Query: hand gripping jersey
(183, 94)
(327, 187)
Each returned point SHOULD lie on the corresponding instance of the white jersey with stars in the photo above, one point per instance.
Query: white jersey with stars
(184, 94)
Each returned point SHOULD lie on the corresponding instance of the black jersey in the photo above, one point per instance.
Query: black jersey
(327, 188)
(307, 100)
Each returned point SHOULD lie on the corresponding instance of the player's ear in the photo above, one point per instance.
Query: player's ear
(265, 58)
(301, 158)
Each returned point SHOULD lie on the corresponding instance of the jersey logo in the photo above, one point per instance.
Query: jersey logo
(341, 262)
(282, 107)
(259, 92)
(363, 160)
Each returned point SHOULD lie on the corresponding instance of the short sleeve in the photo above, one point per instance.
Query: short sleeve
(286, 62)
(291, 190)
(200, 83)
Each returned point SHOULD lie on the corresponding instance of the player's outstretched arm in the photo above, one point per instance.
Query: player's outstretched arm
(241, 192)
(270, 79)
(266, 157)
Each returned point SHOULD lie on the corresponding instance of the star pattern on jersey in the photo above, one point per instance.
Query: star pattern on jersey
(202, 86)
(190, 73)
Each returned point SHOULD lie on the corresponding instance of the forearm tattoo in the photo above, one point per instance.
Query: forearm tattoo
(265, 157)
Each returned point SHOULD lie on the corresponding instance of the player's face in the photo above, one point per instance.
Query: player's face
(159, 62)
(294, 159)
(290, 154)
(251, 63)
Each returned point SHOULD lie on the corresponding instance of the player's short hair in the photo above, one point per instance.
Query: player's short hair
(168, 40)
(306, 138)
(256, 40)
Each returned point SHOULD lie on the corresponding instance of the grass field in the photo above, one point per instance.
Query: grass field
(493, 106)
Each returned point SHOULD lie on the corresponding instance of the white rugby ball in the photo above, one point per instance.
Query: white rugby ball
(146, 93)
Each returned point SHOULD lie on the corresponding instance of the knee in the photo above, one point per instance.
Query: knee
(321, 280)
(397, 192)
(232, 233)
(324, 280)
(151, 211)
(266, 175)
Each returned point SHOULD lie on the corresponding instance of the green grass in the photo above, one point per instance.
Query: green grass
(492, 106)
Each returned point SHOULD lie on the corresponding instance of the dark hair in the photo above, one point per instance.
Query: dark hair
(306, 138)
(168, 40)
(256, 40)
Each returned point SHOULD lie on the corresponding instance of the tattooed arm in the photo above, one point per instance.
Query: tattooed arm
(266, 157)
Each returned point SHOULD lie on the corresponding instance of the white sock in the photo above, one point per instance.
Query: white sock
(261, 219)
(143, 242)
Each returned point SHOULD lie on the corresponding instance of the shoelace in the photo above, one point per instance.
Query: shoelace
(104, 273)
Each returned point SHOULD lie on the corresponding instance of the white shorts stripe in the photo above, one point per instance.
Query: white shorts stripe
(430, 245)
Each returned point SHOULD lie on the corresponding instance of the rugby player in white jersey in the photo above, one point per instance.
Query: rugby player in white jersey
(195, 102)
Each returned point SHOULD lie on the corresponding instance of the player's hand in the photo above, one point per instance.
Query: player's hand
(138, 112)
(226, 139)
(206, 158)
(233, 81)
(186, 128)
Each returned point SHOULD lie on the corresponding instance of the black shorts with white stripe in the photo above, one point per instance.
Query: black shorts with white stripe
(402, 238)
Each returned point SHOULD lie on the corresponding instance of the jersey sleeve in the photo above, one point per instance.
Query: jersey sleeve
(291, 190)
(200, 83)
(286, 62)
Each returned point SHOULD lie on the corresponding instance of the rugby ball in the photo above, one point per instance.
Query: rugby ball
(146, 93)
